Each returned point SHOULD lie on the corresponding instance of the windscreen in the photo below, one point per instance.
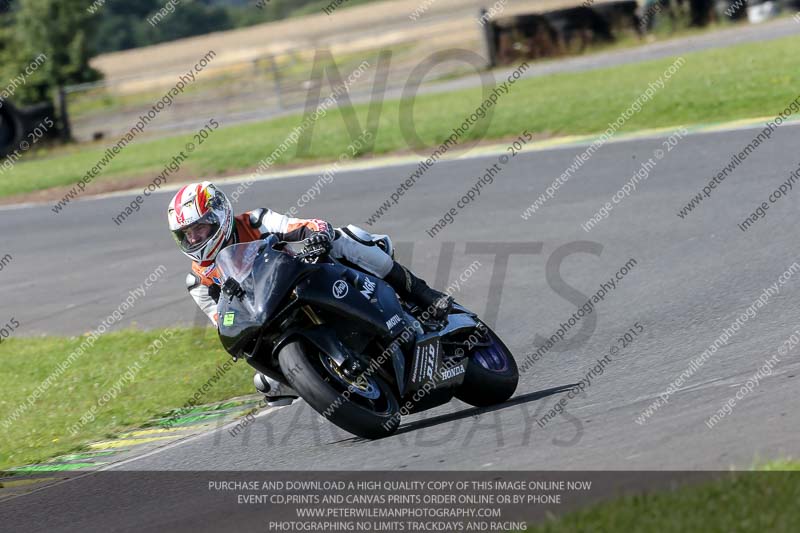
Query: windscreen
(237, 261)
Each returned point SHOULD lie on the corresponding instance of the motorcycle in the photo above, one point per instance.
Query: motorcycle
(345, 341)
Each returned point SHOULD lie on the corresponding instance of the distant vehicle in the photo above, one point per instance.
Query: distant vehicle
(16, 123)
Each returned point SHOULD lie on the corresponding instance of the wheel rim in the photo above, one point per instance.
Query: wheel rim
(492, 357)
(370, 396)
(362, 386)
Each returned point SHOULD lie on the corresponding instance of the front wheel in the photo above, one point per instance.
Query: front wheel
(491, 375)
(366, 407)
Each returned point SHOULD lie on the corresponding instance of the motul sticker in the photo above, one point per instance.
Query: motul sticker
(392, 322)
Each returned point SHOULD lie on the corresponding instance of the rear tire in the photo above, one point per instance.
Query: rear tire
(489, 380)
(303, 368)
(10, 129)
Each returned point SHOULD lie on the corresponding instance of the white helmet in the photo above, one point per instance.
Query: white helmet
(195, 205)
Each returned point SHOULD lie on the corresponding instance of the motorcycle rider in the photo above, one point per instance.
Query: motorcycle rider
(202, 222)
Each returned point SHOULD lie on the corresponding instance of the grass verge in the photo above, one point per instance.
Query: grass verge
(165, 381)
(750, 80)
(746, 502)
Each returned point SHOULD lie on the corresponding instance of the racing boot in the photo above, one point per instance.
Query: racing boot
(413, 289)
(276, 394)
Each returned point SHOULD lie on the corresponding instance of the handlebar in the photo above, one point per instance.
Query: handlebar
(299, 250)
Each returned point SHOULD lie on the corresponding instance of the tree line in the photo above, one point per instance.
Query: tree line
(70, 32)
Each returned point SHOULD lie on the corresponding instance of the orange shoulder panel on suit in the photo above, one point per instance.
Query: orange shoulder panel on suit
(246, 232)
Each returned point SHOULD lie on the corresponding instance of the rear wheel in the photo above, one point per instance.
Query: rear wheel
(491, 375)
(366, 407)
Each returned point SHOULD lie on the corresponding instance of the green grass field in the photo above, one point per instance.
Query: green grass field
(750, 80)
(748, 502)
(165, 381)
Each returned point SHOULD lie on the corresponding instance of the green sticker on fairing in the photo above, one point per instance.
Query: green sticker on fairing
(227, 320)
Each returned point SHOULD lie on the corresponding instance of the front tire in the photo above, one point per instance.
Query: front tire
(492, 375)
(372, 412)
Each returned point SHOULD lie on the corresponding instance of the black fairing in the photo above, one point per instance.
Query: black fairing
(374, 308)
(267, 276)
(273, 275)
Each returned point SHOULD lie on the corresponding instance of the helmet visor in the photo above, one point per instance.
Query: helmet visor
(196, 235)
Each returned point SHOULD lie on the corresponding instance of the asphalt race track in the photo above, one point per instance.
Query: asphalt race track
(692, 278)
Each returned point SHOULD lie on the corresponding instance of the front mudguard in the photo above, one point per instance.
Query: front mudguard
(322, 336)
